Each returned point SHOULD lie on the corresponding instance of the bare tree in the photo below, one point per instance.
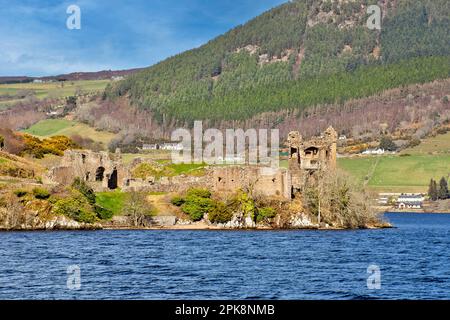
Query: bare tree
(137, 208)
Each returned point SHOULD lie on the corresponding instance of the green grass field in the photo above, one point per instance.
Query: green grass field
(49, 127)
(51, 89)
(397, 173)
(434, 145)
(55, 89)
(113, 201)
(53, 127)
(157, 155)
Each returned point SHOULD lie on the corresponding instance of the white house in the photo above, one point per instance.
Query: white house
(172, 146)
(378, 151)
(410, 201)
(153, 146)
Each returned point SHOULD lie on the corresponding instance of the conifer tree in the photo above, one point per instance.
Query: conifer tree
(443, 193)
(432, 190)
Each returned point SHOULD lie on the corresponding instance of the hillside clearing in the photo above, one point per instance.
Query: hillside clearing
(434, 145)
(53, 127)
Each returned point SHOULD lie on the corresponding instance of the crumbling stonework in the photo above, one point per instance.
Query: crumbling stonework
(308, 157)
(102, 170)
(264, 181)
(106, 171)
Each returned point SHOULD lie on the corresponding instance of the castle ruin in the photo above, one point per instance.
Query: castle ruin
(103, 170)
(106, 171)
(307, 157)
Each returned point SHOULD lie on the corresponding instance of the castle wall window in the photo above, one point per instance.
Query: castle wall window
(100, 174)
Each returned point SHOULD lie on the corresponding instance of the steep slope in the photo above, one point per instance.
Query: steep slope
(302, 53)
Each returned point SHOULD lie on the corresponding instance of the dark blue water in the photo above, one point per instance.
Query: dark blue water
(414, 260)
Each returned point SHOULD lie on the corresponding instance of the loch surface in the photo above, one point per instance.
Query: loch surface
(413, 258)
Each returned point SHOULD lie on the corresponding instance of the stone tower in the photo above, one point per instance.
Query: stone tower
(307, 157)
(295, 142)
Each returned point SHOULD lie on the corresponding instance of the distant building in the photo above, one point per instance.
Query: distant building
(233, 159)
(37, 81)
(410, 205)
(378, 151)
(147, 147)
(383, 201)
(171, 146)
(53, 113)
(410, 201)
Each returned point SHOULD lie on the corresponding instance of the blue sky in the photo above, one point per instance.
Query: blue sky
(35, 41)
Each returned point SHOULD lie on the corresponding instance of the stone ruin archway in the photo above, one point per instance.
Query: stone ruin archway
(100, 174)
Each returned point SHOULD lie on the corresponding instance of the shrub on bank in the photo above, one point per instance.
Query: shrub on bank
(265, 214)
(20, 193)
(76, 207)
(221, 213)
(103, 213)
(41, 193)
(177, 201)
(196, 204)
(82, 187)
(197, 192)
(197, 207)
(82, 204)
(336, 201)
(54, 145)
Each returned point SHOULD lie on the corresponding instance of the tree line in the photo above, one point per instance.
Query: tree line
(438, 192)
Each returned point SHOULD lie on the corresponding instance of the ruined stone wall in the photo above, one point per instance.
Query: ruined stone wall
(178, 184)
(102, 170)
(107, 171)
(223, 180)
(263, 181)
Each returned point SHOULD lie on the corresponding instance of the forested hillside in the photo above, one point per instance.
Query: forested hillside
(300, 54)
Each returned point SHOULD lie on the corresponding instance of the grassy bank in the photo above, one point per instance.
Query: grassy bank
(113, 201)
(397, 173)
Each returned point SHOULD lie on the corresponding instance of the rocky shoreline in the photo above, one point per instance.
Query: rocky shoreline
(61, 223)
